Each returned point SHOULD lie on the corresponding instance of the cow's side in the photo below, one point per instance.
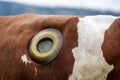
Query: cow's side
(16, 33)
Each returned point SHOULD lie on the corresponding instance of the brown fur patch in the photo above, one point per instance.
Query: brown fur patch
(16, 33)
(111, 49)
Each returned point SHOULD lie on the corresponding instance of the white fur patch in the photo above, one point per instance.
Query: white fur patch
(25, 60)
(35, 71)
(89, 61)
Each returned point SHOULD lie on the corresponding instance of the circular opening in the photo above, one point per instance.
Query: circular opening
(45, 45)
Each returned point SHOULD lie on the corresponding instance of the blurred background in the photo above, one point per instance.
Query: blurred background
(61, 7)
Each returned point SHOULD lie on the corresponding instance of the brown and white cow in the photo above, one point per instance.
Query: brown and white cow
(90, 48)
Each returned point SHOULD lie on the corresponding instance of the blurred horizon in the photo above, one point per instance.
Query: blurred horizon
(106, 5)
(15, 7)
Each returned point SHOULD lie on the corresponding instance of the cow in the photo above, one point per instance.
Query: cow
(76, 47)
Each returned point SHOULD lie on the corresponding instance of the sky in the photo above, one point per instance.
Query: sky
(111, 5)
